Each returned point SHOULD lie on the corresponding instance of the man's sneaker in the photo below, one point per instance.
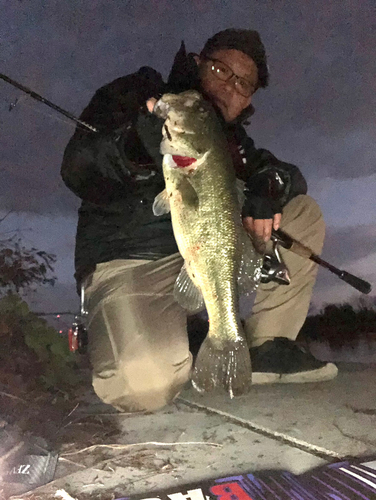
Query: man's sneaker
(283, 361)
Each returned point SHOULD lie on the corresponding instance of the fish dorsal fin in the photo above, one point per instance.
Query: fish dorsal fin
(240, 187)
(161, 204)
(186, 292)
(250, 266)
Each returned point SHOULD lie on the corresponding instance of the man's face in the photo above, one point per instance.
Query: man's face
(224, 94)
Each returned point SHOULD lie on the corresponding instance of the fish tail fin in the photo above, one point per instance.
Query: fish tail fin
(223, 367)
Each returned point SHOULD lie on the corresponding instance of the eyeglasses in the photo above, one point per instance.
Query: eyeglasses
(225, 73)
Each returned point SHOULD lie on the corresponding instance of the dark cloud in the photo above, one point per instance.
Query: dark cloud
(329, 289)
(349, 244)
(33, 139)
(352, 249)
(46, 196)
(317, 113)
(61, 297)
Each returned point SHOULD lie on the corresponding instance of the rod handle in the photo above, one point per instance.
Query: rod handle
(355, 282)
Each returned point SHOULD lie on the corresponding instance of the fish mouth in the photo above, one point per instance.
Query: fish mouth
(176, 160)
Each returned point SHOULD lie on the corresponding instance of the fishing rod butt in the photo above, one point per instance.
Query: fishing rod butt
(291, 244)
(357, 283)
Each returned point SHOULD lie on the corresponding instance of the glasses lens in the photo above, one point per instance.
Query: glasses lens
(224, 73)
(245, 88)
(221, 71)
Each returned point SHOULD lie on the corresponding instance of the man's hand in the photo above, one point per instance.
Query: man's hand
(260, 230)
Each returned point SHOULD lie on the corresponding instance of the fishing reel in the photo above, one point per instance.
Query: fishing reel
(78, 335)
(273, 268)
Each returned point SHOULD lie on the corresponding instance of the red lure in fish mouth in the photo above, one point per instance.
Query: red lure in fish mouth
(183, 161)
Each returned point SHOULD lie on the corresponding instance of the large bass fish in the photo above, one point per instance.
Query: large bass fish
(220, 261)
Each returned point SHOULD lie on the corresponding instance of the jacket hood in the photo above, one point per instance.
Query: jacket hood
(184, 72)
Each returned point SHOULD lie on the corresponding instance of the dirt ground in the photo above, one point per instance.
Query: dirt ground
(90, 436)
(34, 420)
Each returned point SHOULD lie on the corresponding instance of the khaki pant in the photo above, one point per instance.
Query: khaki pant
(138, 341)
(280, 310)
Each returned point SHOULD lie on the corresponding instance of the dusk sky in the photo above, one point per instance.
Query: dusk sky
(318, 111)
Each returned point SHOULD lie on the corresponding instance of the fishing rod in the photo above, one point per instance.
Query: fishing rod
(286, 241)
(50, 104)
(281, 237)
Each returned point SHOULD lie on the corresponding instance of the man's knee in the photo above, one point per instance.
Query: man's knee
(141, 385)
(302, 218)
(302, 206)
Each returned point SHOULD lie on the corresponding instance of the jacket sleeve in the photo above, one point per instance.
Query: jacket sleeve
(270, 183)
(96, 166)
(93, 168)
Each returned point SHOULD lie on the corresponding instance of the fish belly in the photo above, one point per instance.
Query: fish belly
(211, 253)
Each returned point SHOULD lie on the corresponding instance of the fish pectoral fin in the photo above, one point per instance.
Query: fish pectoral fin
(188, 193)
(250, 266)
(161, 204)
(186, 292)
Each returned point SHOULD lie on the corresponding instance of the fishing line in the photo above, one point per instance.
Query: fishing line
(48, 114)
(25, 100)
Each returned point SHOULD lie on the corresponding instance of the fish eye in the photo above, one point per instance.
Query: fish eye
(179, 130)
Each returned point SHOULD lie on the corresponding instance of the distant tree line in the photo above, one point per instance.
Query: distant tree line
(342, 324)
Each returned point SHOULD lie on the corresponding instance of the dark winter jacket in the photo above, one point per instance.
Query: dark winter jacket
(117, 172)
